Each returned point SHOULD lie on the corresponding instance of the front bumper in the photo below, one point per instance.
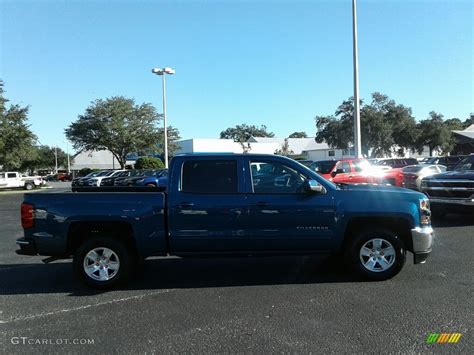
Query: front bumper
(422, 241)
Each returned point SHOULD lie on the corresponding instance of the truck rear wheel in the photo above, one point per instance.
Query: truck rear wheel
(103, 263)
(376, 254)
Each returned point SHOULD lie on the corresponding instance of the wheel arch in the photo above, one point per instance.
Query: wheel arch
(81, 231)
(399, 225)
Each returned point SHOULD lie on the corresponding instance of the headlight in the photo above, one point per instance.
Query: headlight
(425, 212)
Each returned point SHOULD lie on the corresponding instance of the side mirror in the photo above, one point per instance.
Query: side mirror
(338, 171)
(314, 187)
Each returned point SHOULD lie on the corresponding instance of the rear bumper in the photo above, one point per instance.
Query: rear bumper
(422, 240)
(27, 247)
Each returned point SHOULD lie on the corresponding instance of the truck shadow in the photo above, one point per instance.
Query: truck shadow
(175, 273)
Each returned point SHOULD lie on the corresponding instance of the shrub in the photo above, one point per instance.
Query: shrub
(149, 163)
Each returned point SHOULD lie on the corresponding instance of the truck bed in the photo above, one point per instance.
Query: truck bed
(63, 214)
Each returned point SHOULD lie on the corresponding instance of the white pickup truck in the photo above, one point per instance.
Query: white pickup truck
(12, 180)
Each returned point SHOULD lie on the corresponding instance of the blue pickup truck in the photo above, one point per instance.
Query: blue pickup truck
(229, 204)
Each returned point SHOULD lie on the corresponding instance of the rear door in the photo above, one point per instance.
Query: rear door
(13, 180)
(207, 209)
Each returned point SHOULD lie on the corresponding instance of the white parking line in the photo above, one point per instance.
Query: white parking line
(61, 311)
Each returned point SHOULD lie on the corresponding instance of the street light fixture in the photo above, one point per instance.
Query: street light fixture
(163, 72)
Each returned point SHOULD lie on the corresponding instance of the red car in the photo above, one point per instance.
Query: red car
(356, 171)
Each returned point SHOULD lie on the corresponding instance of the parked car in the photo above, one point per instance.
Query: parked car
(130, 181)
(216, 206)
(96, 180)
(82, 181)
(119, 181)
(452, 191)
(397, 162)
(344, 170)
(357, 171)
(413, 174)
(13, 180)
(110, 180)
(449, 162)
(158, 179)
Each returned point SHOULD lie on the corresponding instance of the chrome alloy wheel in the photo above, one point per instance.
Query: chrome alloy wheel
(101, 264)
(377, 255)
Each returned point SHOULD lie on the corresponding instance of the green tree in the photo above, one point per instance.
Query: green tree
(242, 133)
(435, 133)
(383, 125)
(45, 158)
(469, 121)
(118, 125)
(173, 138)
(149, 163)
(17, 141)
(298, 135)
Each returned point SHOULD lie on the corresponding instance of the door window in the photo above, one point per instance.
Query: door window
(11, 175)
(275, 178)
(209, 176)
(344, 165)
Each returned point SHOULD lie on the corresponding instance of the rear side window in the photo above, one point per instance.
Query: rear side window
(209, 176)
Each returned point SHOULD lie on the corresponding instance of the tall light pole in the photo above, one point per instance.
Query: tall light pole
(56, 157)
(357, 140)
(163, 72)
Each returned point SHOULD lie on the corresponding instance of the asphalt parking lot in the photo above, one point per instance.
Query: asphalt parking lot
(284, 304)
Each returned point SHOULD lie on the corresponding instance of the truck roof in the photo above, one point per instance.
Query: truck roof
(225, 155)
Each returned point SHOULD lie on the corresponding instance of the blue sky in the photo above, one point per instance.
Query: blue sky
(278, 63)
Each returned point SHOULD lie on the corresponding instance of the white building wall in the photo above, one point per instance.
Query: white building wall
(324, 154)
(199, 145)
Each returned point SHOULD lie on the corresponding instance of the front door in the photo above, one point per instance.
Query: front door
(282, 215)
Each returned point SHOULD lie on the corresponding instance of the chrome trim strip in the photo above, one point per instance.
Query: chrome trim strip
(23, 242)
(464, 202)
(448, 188)
(453, 180)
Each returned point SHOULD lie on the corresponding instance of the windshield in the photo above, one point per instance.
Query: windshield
(93, 174)
(413, 168)
(323, 167)
(431, 160)
(362, 165)
(465, 164)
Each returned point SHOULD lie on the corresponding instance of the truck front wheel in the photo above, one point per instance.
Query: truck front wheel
(29, 186)
(376, 254)
(103, 263)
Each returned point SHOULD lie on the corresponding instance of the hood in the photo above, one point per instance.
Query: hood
(454, 174)
(373, 188)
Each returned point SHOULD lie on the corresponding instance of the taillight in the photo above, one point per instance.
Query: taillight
(27, 216)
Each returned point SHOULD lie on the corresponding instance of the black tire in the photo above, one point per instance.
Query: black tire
(29, 186)
(126, 258)
(379, 272)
